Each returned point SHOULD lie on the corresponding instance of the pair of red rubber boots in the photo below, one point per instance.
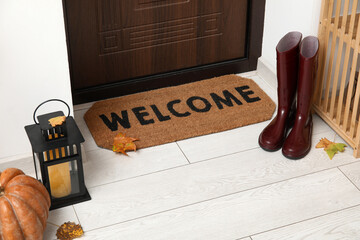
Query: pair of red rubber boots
(296, 70)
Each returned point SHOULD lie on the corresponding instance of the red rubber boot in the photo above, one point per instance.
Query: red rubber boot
(287, 56)
(298, 144)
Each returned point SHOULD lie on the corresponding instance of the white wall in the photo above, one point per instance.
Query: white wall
(283, 16)
(33, 68)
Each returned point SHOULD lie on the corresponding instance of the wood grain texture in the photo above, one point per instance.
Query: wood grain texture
(104, 166)
(119, 47)
(56, 219)
(50, 232)
(343, 225)
(194, 183)
(232, 141)
(271, 199)
(352, 171)
(338, 26)
(117, 40)
(61, 215)
(245, 213)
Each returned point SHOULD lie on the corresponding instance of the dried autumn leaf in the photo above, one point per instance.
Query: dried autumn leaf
(69, 230)
(122, 143)
(57, 121)
(323, 143)
(331, 148)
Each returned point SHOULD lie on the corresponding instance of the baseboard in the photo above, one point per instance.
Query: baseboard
(15, 157)
(267, 72)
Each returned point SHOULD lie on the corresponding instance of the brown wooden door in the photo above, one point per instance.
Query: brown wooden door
(114, 41)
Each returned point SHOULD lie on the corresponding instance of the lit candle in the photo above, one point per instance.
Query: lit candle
(59, 176)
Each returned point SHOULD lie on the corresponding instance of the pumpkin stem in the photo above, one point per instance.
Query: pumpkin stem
(2, 193)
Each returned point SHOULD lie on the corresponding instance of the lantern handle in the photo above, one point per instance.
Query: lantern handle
(50, 100)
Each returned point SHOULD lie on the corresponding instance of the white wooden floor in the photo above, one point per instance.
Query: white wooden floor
(218, 186)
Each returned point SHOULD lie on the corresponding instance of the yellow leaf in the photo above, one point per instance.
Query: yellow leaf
(57, 121)
(69, 231)
(334, 148)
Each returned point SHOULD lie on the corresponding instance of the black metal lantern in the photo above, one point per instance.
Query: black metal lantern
(58, 158)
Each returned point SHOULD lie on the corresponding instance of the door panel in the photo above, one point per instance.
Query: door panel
(112, 41)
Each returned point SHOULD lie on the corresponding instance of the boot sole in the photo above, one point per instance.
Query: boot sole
(307, 152)
(270, 150)
(287, 129)
(296, 158)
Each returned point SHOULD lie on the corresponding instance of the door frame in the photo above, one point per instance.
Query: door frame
(254, 35)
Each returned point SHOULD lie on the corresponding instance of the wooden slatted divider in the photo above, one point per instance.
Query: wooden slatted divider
(339, 35)
(348, 39)
(331, 58)
(351, 82)
(324, 27)
(339, 57)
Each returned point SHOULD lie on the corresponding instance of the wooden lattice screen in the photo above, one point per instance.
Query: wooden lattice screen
(337, 93)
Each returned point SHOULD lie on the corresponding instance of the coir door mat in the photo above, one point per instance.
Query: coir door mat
(174, 113)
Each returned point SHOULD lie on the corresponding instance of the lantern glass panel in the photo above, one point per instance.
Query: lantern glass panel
(37, 166)
(64, 179)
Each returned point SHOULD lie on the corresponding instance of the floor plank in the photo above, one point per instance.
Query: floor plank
(197, 182)
(342, 225)
(352, 171)
(50, 232)
(222, 143)
(57, 218)
(235, 140)
(243, 214)
(103, 166)
(62, 215)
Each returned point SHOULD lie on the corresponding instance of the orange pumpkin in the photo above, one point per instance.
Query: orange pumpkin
(24, 206)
